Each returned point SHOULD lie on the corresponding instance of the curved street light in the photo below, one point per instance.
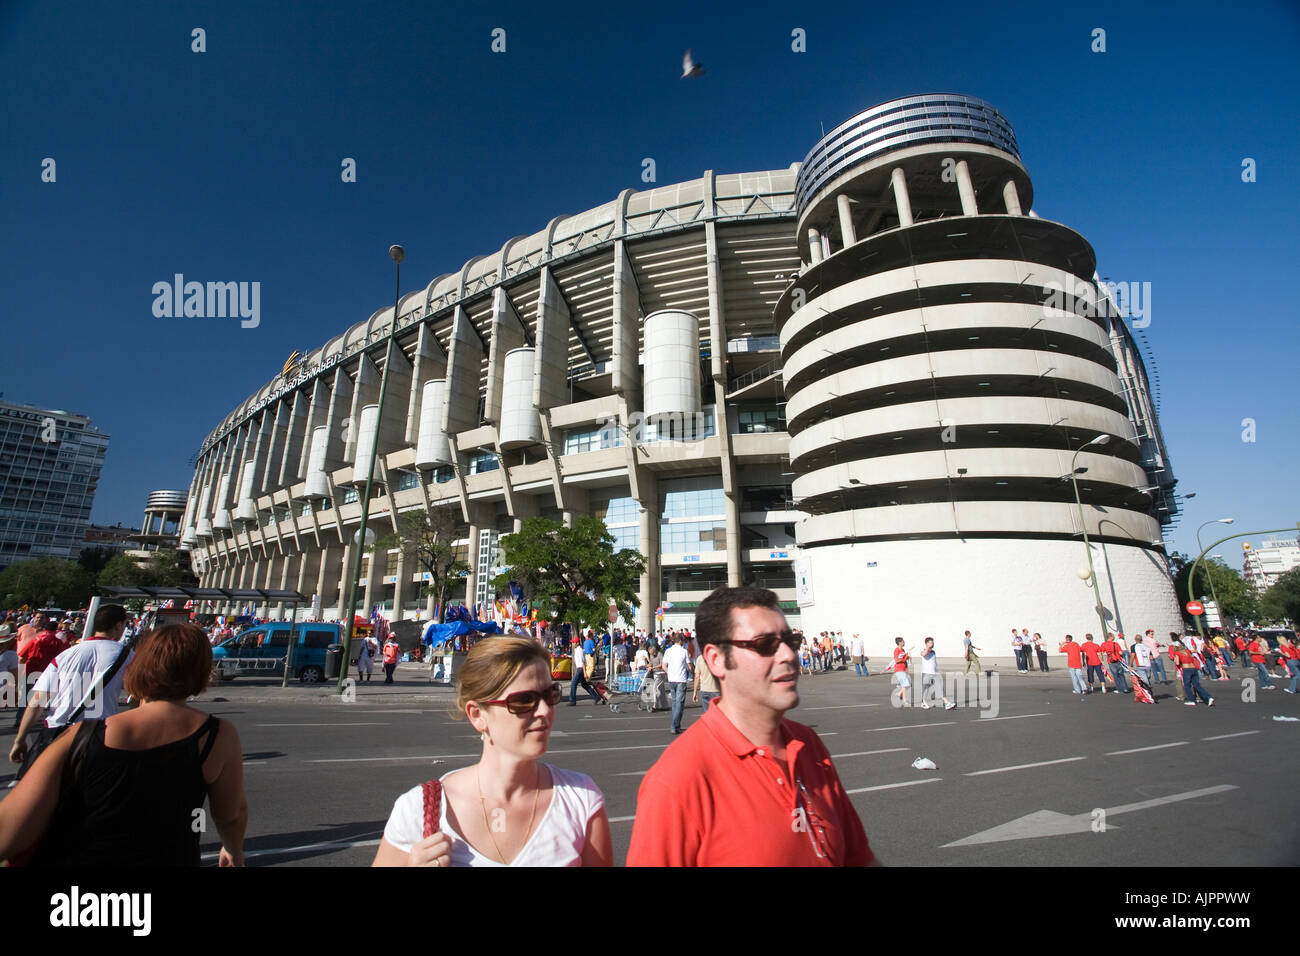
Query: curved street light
(1191, 585)
(1087, 548)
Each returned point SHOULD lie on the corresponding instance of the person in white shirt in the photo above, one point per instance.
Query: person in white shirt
(1142, 660)
(676, 664)
(510, 808)
(931, 686)
(857, 650)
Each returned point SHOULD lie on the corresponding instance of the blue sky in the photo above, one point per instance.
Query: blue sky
(225, 165)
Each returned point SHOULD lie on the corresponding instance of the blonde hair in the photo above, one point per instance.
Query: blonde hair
(492, 666)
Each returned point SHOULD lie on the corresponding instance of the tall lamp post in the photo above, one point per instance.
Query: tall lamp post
(1191, 585)
(1092, 574)
(397, 254)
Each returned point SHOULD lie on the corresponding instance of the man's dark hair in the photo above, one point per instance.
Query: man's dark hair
(108, 617)
(713, 616)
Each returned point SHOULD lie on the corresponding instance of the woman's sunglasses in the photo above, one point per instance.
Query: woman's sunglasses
(767, 645)
(525, 702)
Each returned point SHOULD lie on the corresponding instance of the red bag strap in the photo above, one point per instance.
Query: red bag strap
(432, 806)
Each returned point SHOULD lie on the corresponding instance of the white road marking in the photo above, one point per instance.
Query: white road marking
(1244, 733)
(576, 750)
(868, 753)
(1050, 823)
(1138, 750)
(633, 773)
(838, 707)
(211, 857)
(989, 720)
(622, 819)
(326, 724)
(1023, 766)
(892, 786)
(937, 723)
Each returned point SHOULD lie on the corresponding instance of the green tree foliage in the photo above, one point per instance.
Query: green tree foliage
(1282, 600)
(1236, 599)
(163, 569)
(36, 581)
(571, 575)
(428, 536)
(93, 559)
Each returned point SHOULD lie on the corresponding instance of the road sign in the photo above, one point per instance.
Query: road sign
(1195, 608)
(613, 614)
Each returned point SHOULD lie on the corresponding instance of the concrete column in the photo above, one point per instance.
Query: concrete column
(901, 198)
(648, 545)
(289, 561)
(345, 571)
(734, 565)
(374, 569)
(966, 190)
(402, 585)
(1011, 196)
(846, 220)
(471, 579)
(814, 244)
(327, 577)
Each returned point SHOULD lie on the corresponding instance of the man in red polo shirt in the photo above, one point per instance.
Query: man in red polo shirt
(743, 786)
(38, 653)
(1092, 654)
(1114, 656)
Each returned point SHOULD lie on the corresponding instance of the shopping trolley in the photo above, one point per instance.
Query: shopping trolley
(627, 687)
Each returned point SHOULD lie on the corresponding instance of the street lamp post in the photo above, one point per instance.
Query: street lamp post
(397, 254)
(1087, 548)
(1191, 584)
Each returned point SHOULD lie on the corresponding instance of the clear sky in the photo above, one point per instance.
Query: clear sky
(225, 166)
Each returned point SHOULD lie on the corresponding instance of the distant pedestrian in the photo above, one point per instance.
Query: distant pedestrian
(1259, 649)
(580, 676)
(1018, 649)
(931, 683)
(1029, 648)
(1040, 646)
(1141, 658)
(972, 658)
(1114, 658)
(1191, 676)
(1092, 654)
(676, 663)
(392, 653)
(1291, 659)
(1157, 663)
(857, 651)
(1074, 663)
(900, 671)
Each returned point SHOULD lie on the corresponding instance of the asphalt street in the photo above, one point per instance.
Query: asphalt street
(1044, 778)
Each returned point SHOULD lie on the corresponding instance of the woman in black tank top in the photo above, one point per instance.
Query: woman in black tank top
(86, 803)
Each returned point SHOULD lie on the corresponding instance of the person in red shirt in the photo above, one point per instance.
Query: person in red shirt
(41, 649)
(900, 672)
(1291, 660)
(1092, 654)
(1259, 657)
(1186, 662)
(1074, 663)
(743, 786)
(392, 654)
(1241, 645)
(1114, 655)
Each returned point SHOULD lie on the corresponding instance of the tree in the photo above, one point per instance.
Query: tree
(428, 535)
(36, 581)
(94, 558)
(571, 574)
(1235, 599)
(123, 572)
(1282, 600)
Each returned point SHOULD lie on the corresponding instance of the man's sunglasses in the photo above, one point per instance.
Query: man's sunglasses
(768, 644)
(525, 702)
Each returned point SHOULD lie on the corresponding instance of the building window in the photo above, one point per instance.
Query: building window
(761, 420)
(443, 474)
(592, 438)
(692, 498)
(692, 537)
(407, 480)
(486, 462)
(350, 495)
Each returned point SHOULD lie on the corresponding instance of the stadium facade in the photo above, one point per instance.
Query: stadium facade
(861, 381)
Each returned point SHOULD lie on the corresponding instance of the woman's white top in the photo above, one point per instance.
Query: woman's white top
(558, 840)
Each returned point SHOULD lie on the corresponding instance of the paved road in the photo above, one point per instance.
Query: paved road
(1181, 786)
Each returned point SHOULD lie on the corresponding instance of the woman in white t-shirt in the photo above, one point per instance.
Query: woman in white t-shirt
(509, 809)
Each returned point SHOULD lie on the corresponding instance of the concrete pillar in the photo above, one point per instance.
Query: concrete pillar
(1011, 196)
(374, 569)
(901, 198)
(402, 586)
(814, 244)
(648, 545)
(345, 573)
(290, 560)
(734, 565)
(327, 578)
(846, 220)
(966, 190)
(471, 579)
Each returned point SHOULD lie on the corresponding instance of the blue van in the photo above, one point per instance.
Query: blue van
(262, 650)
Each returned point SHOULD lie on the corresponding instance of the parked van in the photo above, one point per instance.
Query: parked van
(263, 650)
